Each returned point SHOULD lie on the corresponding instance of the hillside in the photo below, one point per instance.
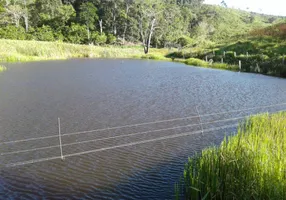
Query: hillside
(218, 24)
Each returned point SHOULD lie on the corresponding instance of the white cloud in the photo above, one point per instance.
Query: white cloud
(273, 7)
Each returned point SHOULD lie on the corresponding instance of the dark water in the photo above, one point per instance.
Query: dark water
(132, 162)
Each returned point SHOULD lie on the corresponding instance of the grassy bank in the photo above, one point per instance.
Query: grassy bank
(22, 51)
(264, 54)
(14, 51)
(249, 165)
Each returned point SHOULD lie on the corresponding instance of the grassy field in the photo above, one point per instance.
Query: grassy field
(248, 165)
(15, 51)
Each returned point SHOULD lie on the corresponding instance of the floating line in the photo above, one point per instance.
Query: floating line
(120, 136)
(140, 124)
(170, 120)
(115, 147)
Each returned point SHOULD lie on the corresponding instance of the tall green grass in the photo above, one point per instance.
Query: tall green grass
(249, 165)
(201, 63)
(15, 51)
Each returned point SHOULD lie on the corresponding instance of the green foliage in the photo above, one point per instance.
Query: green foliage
(44, 33)
(98, 38)
(201, 63)
(185, 41)
(75, 33)
(15, 51)
(111, 39)
(196, 62)
(154, 57)
(13, 33)
(88, 14)
(249, 165)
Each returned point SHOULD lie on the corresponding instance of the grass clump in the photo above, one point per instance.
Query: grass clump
(249, 165)
(202, 63)
(155, 57)
(197, 62)
(2, 68)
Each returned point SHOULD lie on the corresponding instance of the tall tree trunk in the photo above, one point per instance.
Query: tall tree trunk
(26, 16)
(26, 19)
(100, 26)
(126, 22)
(114, 19)
(142, 35)
(148, 41)
(17, 20)
(88, 34)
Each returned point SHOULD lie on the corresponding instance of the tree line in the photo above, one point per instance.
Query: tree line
(157, 22)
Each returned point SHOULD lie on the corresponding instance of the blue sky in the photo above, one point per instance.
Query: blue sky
(274, 7)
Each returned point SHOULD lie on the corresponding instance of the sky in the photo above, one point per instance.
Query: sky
(272, 7)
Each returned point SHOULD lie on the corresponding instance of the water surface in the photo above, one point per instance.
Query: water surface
(132, 162)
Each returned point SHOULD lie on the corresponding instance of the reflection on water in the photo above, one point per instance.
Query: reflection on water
(99, 94)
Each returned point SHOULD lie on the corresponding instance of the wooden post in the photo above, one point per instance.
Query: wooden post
(60, 138)
(224, 54)
(234, 53)
(221, 60)
(239, 65)
(247, 54)
(206, 58)
(214, 52)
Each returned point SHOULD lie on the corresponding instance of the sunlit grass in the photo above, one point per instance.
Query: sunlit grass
(201, 63)
(24, 51)
(249, 165)
(15, 51)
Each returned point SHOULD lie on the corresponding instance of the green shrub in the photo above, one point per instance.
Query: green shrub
(196, 62)
(185, 41)
(249, 165)
(44, 33)
(98, 38)
(225, 66)
(154, 57)
(111, 39)
(13, 33)
(75, 33)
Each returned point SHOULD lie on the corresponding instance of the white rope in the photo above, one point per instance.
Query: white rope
(121, 136)
(117, 146)
(146, 123)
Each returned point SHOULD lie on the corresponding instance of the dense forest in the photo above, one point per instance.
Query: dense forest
(157, 23)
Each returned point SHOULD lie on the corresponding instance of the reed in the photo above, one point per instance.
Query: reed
(248, 165)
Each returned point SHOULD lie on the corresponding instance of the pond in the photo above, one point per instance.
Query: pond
(127, 126)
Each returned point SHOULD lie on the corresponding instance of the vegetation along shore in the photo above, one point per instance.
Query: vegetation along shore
(184, 31)
(248, 165)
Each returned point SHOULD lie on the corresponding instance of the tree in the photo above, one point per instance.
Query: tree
(223, 3)
(148, 14)
(88, 15)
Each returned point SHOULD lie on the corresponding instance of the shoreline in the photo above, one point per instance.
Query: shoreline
(13, 51)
